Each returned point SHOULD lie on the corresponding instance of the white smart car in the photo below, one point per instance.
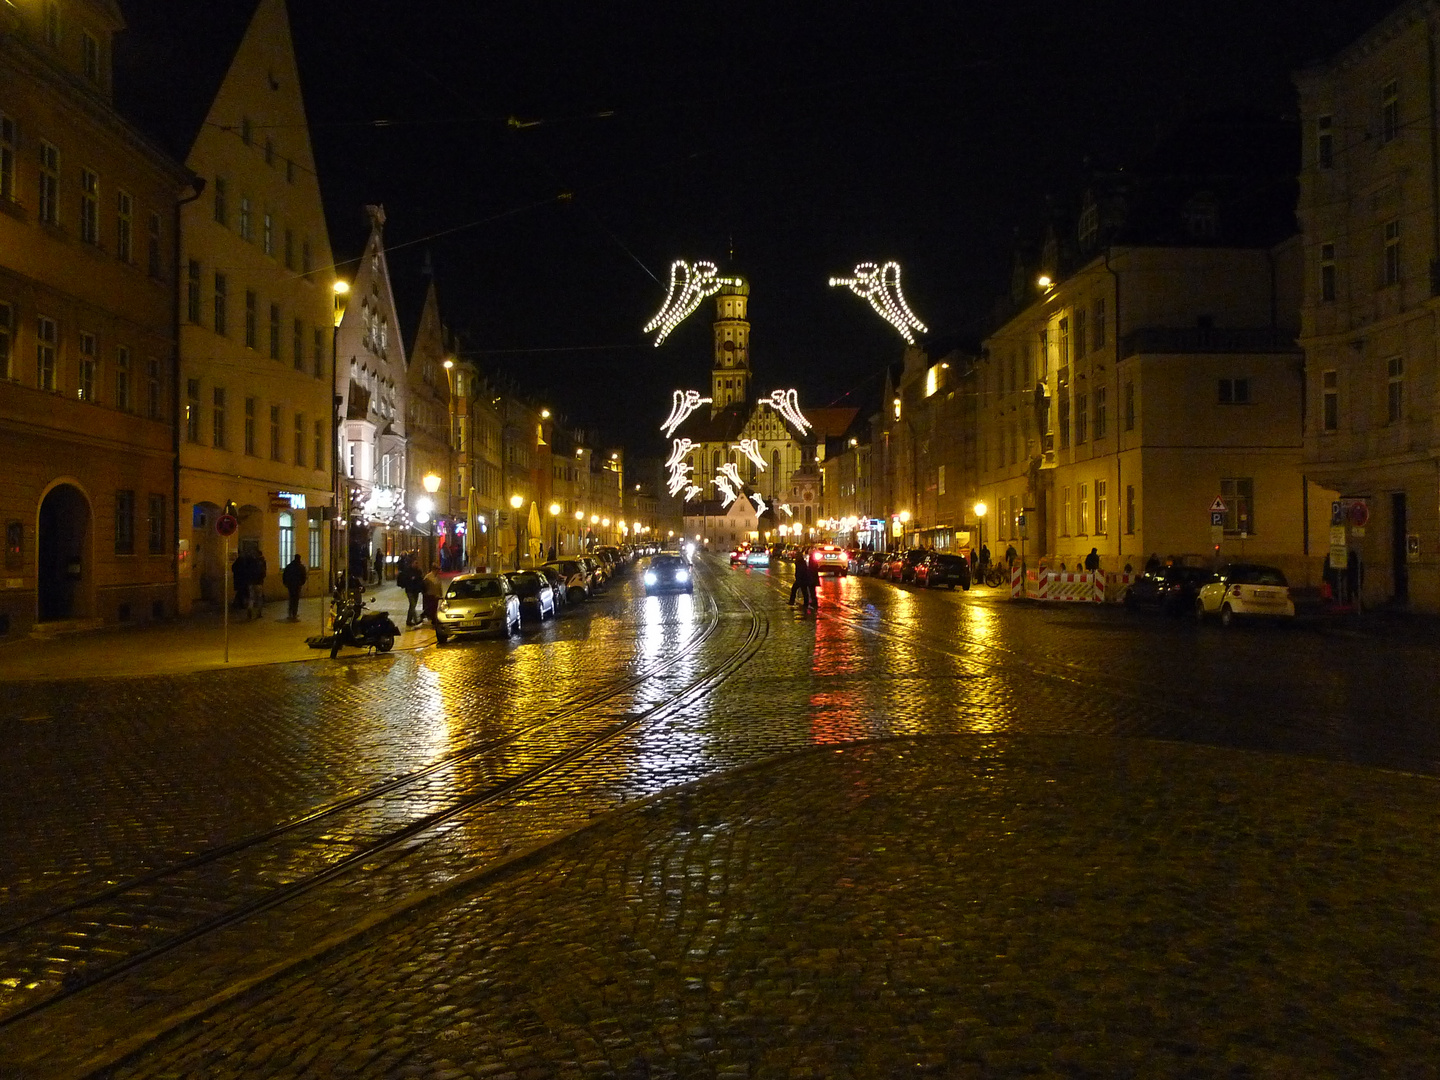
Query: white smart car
(1245, 590)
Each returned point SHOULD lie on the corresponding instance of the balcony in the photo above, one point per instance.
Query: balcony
(1202, 339)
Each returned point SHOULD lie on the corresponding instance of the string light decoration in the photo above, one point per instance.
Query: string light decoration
(685, 402)
(728, 494)
(787, 404)
(678, 449)
(751, 449)
(880, 285)
(690, 283)
(759, 504)
(692, 491)
(786, 508)
(731, 472)
(678, 480)
(680, 469)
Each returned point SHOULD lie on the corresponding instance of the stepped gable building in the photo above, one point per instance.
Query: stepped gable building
(87, 338)
(256, 322)
(790, 477)
(1369, 207)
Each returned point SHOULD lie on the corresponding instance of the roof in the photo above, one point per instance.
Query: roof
(830, 423)
(724, 426)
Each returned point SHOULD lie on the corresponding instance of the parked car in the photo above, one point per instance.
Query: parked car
(477, 604)
(872, 563)
(557, 584)
(903, 563)
(757, 557)
(829, 559)
(668, 573)
(738, 555)
(534, 592)
(1172, 589)
(1245, 590)
(594, 573)
(940, 568)
(576, 577)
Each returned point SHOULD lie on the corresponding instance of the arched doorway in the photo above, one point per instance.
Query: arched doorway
(63, 562)
(207, 568)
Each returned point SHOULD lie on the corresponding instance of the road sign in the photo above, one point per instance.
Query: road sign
(1336, 514)
(1359, 513)
(1218, 506)
(1020, 522)
(1217, 519)
(1339, 551)
(1217, 535)
(226, 525)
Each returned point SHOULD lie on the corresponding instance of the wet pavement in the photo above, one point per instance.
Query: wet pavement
(1064, 853)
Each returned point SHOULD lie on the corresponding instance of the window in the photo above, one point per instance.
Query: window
(1101, 418)
(314, 543)
(124, 227)
(153, 408)
(1102, 507)
(85, 383)
(52, 24)
(49, 210)
(1330, 401)
(1063, 344)
(289, 248)
(1098, 341)
(252, 330)
(1082, 499)
(45, 340)
(122, 378)
(299, 439)
(1234, 391)
(1327, 273)
(1082, 346)
(1238, 495)
(1082, 419)
(1325, 141)
(89, 206)
(274, 331)
(350, 459)
(1063, 408)
(287, 538)
(246, 229)
(250, 426)
(222, 211)
(1395, 391)
(289, 171)
(217, 418)
(124, 523)
(269, 150)
(274, 432)
(1089, 227)
(153, 256)
(305, 256)
(220, 303)
(1066, 512)
(1130, 509)
(1390, 273)
(157, 524)
(939, 480)
(89, 56)
(7, 158)
(1129, 406)
(1013, 438)
(192, 290)
(1390, 111)
(7, 332)
(318, 353)
(267, 235)
(318, 455)
(247, 130)
(297, 344)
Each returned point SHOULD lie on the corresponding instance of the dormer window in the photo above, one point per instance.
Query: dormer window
(90, 56)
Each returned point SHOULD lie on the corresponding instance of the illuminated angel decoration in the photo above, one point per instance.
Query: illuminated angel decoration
(881, 286)
(689, 285)
(786, 508)
(678, 480)
(759, 504)
(731, 472)
(751, 449)
(787, 404)
(685, 402)
(691, 492)
(728, 494)
(679, 448)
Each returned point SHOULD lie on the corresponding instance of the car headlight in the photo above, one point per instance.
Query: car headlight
(682, 575)
(444, 605)
(649, 577)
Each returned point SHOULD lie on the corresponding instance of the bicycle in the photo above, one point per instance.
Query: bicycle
(995, 576)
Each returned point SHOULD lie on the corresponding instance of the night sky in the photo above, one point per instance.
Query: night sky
(816, 135)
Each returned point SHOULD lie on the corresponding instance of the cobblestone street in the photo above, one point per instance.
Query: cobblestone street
(922, 832)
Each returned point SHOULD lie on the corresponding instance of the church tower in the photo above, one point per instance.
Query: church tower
(730, 376)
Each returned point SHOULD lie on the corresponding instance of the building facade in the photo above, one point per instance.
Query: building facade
(256, 328)
(1368, 208)
(87, 338)
(437, 534)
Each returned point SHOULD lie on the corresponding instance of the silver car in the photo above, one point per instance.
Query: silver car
(478, 604)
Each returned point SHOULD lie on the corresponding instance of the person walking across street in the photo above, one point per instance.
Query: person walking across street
(1092, 561)
(431, 587)
(258, 570)
(798, 586)
(812, 578)
(240, 580)
(379, 566)
(293, 578)
(1010, 556)
(413, 582)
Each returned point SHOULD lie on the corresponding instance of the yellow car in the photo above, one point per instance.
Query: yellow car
(1245, 590)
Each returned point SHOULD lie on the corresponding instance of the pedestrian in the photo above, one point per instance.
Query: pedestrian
(240, 580)
(812, 578)
(797, 586)
(1010, 556)
(413, 582)
(550, 555)
(431, 587)
(379, 566)
(258, 570)
(293, 578)
(1153, 563)
(1092, 561)
(984, 557)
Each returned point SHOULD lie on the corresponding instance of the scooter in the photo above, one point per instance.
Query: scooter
(365, 631)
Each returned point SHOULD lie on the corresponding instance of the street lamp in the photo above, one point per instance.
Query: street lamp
(517, 501)
(555, 528)
(342, 499)
(980, 511)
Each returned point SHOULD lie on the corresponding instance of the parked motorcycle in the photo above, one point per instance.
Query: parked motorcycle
(353, 626)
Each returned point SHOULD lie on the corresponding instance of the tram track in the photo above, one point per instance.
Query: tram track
(95, 939)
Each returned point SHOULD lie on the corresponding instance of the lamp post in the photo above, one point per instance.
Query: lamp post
(555, 528)
(590, 539)
(517, 501)
(579, 527)
(342, 500)
(425, 508)
(980, 511)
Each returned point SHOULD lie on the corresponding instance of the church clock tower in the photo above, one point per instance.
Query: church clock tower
(730, 376)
